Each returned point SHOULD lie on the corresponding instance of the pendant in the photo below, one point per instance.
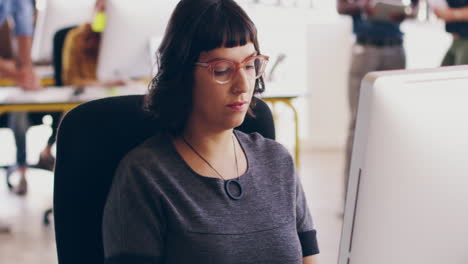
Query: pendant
(229, 184)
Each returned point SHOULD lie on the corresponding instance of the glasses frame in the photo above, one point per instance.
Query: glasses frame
(237, 66)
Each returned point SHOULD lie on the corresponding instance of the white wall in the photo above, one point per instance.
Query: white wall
(327, 112)
(325, 116)
(323, 109)
(426, 43)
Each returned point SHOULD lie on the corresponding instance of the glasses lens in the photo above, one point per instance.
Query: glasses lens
(223, 71)
(258, 66)
(255, 67)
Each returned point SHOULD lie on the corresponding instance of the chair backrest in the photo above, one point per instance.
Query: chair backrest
(92, 139)
(57, 49)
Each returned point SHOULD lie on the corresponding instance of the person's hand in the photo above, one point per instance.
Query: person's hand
(28, 80)
(8, 69)
(368, 9)
(397, 17)
(114, 83)
(8, 65)
(446, 14)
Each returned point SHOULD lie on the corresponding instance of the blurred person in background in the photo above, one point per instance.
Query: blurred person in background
(20, 69)
(378, 47)
(80, 52)
(455, 15)
(79, 62)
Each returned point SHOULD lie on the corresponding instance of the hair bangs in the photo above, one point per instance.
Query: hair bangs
(222, 26)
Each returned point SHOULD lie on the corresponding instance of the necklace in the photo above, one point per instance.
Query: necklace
(228, 184)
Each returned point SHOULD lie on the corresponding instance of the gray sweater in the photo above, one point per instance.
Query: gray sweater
(161, 211)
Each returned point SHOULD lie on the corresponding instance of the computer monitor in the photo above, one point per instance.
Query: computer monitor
(126, 42)
(55, 15)
(407, 199)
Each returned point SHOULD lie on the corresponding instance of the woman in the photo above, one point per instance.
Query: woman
(201, 192)
(456, 18)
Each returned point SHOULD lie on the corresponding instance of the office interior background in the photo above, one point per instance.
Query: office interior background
(315, 43)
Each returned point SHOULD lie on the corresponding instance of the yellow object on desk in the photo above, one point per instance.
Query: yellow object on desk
(47, 107)
(99, 22)
(44, 82)
(113, 91)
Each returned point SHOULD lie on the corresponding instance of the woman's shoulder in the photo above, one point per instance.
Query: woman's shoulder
(151, 151)
(255, 142)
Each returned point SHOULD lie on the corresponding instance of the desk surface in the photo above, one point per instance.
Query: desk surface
(67, 94)
(52, 99)
(45, 74)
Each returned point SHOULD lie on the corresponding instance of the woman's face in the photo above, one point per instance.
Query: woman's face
(222, 106)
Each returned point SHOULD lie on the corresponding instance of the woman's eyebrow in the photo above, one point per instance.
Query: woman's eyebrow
(219, 58)
(253, 54)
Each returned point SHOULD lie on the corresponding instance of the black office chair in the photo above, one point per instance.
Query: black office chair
(92, 139)
(57, 54)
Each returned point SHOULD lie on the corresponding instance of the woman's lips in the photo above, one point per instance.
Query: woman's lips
(237, 106)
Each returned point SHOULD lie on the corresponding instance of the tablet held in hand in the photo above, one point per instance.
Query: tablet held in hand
(389, 11)
(437, 4)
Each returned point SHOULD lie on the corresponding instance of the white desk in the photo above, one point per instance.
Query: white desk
(45, 74)
(58, 98)
(63, 99)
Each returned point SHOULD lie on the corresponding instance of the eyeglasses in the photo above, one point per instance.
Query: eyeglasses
(223, 71)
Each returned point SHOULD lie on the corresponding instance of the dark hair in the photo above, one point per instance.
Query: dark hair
(194, 27)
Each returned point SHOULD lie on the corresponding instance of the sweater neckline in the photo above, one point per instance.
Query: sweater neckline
(186, 165)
